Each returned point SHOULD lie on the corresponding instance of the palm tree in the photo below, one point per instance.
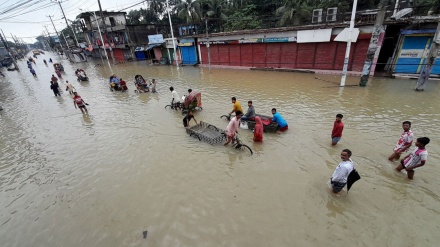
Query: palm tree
(292, 11)
(215, 9)
(189, 10)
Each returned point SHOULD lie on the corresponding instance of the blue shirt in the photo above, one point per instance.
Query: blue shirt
(279, 119)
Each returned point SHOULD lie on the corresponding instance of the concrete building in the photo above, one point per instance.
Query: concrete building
(115, 39)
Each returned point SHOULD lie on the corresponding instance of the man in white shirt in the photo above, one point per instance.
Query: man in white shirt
(175, 95)
(340, 175)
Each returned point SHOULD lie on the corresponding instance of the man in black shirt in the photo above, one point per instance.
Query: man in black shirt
(188, 118)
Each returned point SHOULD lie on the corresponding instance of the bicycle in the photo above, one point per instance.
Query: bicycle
(175, 106)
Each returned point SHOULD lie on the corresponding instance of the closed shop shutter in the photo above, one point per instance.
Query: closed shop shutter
(411, 53)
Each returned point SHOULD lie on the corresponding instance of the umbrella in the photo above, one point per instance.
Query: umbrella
(352, 178)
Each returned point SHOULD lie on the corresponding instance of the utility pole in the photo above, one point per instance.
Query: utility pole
(102, 40)
(347, 51)
(48, 37)
(5, 43)
(430, 59)
(67, 23)
(207, 45)
(172, 35)
(59, 40)
(372, 48)
(105, 31)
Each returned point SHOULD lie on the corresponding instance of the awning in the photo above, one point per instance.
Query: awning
(139, 49)
(151, 46)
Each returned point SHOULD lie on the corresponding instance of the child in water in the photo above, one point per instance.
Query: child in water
(416, 159)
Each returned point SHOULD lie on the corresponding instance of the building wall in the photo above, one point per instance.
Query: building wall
(280, 53)
(320, 56)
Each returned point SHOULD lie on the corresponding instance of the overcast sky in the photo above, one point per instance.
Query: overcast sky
(30, 25)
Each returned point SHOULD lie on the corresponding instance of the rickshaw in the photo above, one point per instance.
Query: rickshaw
(58, 66)
(191, 102)
(268, 125)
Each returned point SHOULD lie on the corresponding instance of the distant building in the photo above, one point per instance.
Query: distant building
(116, 38)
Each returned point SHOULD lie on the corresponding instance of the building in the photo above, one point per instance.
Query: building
(113, 31)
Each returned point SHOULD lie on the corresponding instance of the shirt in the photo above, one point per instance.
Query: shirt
(188, 118)
(342, 171)
(176, 96)
(78, 100)
(250, 112)
(54, 87)
(406, 138)
(279, 120)
(416, 157)
(337, 129)
(233, 126)
(237, 107)
(69, 87)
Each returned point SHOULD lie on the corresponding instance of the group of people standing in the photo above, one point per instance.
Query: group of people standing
(345, 169)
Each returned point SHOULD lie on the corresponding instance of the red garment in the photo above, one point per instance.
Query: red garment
(78, 100)
(337, 129)
(123, 85)
(258, 130)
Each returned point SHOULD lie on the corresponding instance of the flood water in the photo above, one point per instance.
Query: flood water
(68, 179)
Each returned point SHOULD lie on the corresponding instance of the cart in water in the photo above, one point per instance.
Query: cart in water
(191, 102)
(58, 66)
(213, 135)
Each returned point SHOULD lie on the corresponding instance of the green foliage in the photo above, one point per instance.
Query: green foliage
(244, 18)
(144, 16)
(189, 10)
(293, 11)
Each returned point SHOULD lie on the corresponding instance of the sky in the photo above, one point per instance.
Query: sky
(30, 25)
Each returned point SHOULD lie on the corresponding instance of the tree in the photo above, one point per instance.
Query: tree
(245, 18)
(190, 11)
(293, 11)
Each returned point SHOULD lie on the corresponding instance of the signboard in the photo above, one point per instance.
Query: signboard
(252, 41)
(186, 44)
(343, 36)
(313, 36)
(155, 39)
(411, 53)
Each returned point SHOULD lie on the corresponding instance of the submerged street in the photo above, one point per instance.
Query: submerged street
(68, 179)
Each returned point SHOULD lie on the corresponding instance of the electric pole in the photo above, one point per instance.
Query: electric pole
(58, 36)
(67, 23)
(5, 43)
(207, 44)
(347, 51)
(105, 31)
(430, 59)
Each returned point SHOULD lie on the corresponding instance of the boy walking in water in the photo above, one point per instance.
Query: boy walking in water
(338, 126)
(416, 159)
(340, 175)
(78, 101)
(404, 142)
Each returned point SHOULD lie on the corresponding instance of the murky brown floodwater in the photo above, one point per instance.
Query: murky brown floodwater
(72, 180)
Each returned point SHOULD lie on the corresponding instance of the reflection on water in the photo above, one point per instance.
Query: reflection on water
(129, 166)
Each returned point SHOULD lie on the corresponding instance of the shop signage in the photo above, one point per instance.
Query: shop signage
(411, 53)
(155, 39)
(186, 44)
(251, 41)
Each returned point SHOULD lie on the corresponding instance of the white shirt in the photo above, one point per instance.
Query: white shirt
(342, 171)
(416, 157)
(176, 96)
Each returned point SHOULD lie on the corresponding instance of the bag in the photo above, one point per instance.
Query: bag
(244, 125)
